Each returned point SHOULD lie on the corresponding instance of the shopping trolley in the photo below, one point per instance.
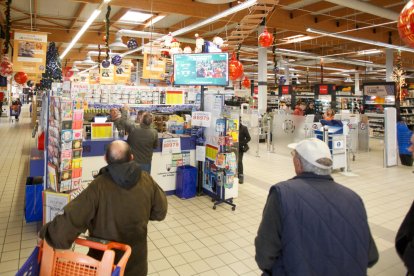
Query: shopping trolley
(15, 110)
(47, 261)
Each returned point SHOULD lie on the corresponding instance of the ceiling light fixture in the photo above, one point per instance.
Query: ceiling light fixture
(361, 40)
(88, 60)
(348, 80)
(85, 26)
(118, 44)
(154, 20)
(368, 52)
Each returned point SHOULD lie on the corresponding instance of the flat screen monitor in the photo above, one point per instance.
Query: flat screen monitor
(379, 93)
(209, 69)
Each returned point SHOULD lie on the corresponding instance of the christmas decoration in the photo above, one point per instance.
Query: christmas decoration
(218, 41)
(53, 71)
(66, 73)
(405, 24)
(235, 68)
(30, 83)
(117, 60)
(265, 39)
(175, 47)
(8, 24)
(6, 68)
(187, 50)
(167, 41)
(132, 44)
(107, 21)
(106, 63)
(199, 44)
(246, 82)
(398, 75)
(20, 77)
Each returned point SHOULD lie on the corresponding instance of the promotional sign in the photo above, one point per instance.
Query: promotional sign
(29, 52)
(101, 130)
(154, 66)
(323, 90)
(201, 69)
(379, 89)
(201, 118)
(123, 72)
(174, 97)
(171, 145)
(94, 76)
(107, 75)
(53, 204)
(285, 89)
(211, 152)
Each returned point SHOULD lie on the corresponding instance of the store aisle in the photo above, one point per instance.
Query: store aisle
(195, 239)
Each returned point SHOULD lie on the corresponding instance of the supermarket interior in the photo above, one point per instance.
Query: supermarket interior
(221, 89)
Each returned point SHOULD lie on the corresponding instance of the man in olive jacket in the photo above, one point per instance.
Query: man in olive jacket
(116, 206)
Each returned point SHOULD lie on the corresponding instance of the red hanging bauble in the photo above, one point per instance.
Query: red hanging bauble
(235, 68)
(246, 82)
(21, 77)
(6, 68)
(66, 73)
(265, 39)
(406, 24)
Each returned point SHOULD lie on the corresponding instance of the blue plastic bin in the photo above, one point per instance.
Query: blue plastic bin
(33, 210)
(186, 182)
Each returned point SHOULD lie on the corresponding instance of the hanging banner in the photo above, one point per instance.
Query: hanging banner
(154, 66)
(123, 72)
(107, 75)
(29, 52)
(34, 77)
(94, 76)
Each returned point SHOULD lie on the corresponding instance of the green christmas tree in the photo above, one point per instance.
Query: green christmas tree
(53, 72)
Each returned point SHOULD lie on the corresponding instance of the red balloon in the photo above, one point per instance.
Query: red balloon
(246, 82)
(406, 24)
(235, 68)
(265, 38)
(20, 77)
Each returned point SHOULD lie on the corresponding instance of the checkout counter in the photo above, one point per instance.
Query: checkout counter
(164, 165)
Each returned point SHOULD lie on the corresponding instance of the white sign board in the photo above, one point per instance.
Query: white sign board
(390, 137)
(53, 205)
(201, 118)
(201, 153)
(339, 144)
(171, 145)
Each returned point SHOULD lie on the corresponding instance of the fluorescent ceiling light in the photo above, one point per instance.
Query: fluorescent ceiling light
(361, 40)
(296, 38)
(135, 17)
(85, 26)
(154, 20)
(368, 52)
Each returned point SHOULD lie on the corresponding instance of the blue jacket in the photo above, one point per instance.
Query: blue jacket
(403, 138)
(314, 226)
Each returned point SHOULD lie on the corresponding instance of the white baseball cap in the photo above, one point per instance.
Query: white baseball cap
(313, 150)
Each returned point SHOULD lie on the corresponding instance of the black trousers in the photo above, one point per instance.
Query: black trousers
(406, 159)
(240, 163)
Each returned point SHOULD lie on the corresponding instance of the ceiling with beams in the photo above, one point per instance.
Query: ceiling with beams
(289, 20)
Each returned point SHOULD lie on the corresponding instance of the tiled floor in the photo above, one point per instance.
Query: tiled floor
(197, 240)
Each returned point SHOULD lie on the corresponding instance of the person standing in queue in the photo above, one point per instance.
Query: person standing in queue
(300, 108)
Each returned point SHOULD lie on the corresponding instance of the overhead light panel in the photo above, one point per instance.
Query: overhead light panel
(85, 26)
(135, 17)
(154, 20)
(117, 44)
(369, 52)
(361, 40)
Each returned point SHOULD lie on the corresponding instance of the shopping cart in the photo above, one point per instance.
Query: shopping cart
(47, 261)
(15, 110)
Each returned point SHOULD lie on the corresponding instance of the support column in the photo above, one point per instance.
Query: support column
(137, 76)
(287, 75)
(357, 91)
(262, 76)
(389, 63)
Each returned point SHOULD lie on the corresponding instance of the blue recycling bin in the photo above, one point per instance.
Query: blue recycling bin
(186, 182)
(33, 209)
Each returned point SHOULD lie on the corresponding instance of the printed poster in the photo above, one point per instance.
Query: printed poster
(53, 204)
(107, 75)
(154, 66)
(123, 72)
(29, 52)
(171, 145)
(94, 76)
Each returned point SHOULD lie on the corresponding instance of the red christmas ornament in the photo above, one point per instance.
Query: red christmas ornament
(20, 77)
(6, 68)
(235, 68)
(406, 24)
(265, 38)
(66, 73)
(246, 82)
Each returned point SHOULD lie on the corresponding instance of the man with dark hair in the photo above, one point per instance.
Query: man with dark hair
(143, 140)
(116, 206)
(312, 225)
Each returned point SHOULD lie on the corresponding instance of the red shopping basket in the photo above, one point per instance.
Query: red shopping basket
(47, 261)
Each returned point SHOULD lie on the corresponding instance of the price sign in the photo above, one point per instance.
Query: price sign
(201, 118)
(338, 144)
(171, 145)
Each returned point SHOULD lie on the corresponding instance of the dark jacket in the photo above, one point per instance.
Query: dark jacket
(142, 140)
(312, 225)
(244, 137)
(404, 242)
(116, 206)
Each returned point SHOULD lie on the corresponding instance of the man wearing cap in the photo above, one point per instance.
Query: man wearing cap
(312, 225)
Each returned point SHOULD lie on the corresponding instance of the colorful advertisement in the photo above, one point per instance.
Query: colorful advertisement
(123, 72)
(154, 66)
(94, 76)
(107, 75)
(174, 97)
(29, 52)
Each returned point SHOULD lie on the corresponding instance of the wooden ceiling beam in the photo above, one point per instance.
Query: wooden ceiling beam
(79, 10)
(114, 19)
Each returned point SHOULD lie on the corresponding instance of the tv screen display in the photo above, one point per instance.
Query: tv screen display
(201, 69)
(379, 93)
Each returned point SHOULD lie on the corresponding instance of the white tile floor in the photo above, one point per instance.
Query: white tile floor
(197, 240)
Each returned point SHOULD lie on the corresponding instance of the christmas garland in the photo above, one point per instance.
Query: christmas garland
(99, 57)
(7, 41)
(108, 12)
